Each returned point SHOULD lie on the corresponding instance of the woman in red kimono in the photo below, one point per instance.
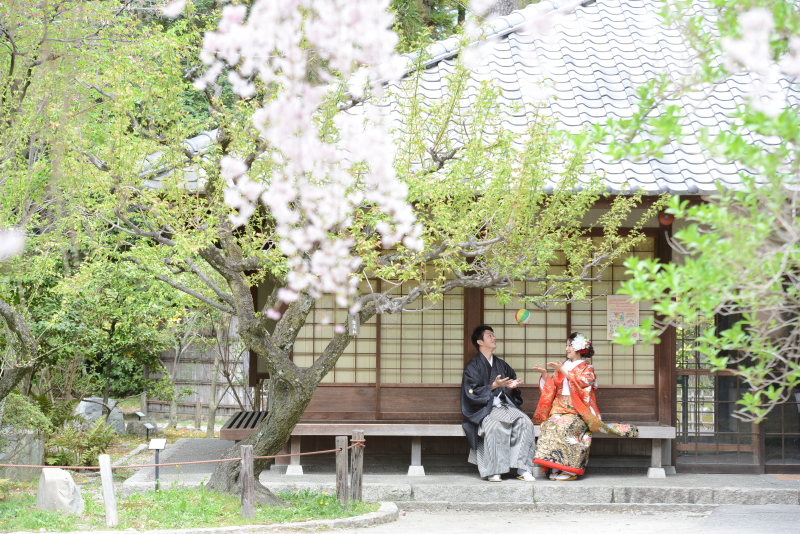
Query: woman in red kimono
(568, 413)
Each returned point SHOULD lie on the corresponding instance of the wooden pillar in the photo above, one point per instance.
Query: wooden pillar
(356, 467)
(665, 354)
(109, 499)
(248, 483)
(473, 316)
(378, 341)
(341, 470)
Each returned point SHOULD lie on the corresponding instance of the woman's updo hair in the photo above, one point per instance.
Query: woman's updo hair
(581, 344)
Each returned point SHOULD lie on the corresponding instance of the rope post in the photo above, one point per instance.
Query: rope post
(198, 412)
(341, 470)
(109, 499)
(248, 483)
(357, 465)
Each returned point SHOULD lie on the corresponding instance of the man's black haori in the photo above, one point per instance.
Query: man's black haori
(477, 394)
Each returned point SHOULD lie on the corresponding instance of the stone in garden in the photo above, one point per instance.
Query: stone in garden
(137, 428)
(23, 448)
(91, 409)
(58, 492)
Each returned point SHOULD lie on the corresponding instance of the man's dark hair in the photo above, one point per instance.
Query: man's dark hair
(478, 334)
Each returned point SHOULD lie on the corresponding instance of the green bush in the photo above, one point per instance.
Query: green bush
(74, 445)
(59, 412)
(5, 486)
(23, 414)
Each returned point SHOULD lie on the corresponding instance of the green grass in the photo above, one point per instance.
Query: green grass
(174, 508)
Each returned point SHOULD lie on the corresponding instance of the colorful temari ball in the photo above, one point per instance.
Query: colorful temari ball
(522, 316)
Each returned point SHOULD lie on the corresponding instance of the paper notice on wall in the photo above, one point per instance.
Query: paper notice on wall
(621, 313)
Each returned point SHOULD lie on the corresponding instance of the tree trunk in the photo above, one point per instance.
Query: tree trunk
(107, 387)
(173, 411)
(25, 353)
(173, 403)
(212, 397)
(268, 438)
(72, 368)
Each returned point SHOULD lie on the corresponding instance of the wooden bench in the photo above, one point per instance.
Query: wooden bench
(417, 431)
(241, 424)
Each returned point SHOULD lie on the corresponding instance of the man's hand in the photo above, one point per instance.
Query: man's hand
(509, 383)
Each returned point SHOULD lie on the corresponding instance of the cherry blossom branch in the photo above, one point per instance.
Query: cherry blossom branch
(310, 192)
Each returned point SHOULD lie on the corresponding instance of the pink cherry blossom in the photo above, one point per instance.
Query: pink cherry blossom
(311, 192)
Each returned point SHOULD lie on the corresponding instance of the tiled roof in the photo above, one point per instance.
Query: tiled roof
(154, 170)
(597, 58)
(599, 55)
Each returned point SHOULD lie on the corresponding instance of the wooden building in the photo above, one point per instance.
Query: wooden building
(407, 367)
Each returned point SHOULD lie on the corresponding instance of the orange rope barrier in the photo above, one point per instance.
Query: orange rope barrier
(175, 463)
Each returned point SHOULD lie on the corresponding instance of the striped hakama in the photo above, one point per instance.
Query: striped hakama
(505, 442)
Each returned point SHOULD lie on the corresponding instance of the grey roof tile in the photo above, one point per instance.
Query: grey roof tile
(600, 55)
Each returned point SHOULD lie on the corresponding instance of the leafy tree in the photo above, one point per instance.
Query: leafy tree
(486, 223)
(44, 98)
(73, 72)
(742, 247)
(122, 319)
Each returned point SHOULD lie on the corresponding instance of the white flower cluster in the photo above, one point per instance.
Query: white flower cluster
(580, 342)
(173, 9)
(314, 190)
(11, 243)
(752, 53)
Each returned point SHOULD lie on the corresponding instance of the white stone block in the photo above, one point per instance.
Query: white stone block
(58, 492)
(416, 471)
(294, 470)
(656, 472)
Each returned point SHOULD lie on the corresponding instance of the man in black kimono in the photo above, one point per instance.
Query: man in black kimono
(500, 435)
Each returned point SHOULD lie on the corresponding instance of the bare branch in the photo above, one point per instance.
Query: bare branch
(221, 295)
(140, 232)
(100, 164)
(181, 287)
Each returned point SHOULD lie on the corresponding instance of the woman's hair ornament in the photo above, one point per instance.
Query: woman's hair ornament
(580, 344)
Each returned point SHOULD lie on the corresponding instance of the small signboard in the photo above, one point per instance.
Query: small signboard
(158, 444)
(622, 313)
(355, 324)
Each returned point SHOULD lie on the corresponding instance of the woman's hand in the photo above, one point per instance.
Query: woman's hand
(540, 369)
(556, 366)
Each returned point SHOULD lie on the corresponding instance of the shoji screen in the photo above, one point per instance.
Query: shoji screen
(424, 345)
(356, 364)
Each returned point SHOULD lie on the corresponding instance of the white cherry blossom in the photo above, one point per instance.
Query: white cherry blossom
(12, 242)
(314, 187)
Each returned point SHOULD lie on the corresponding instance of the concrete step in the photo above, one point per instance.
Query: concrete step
(412, 506)
(514, 493)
